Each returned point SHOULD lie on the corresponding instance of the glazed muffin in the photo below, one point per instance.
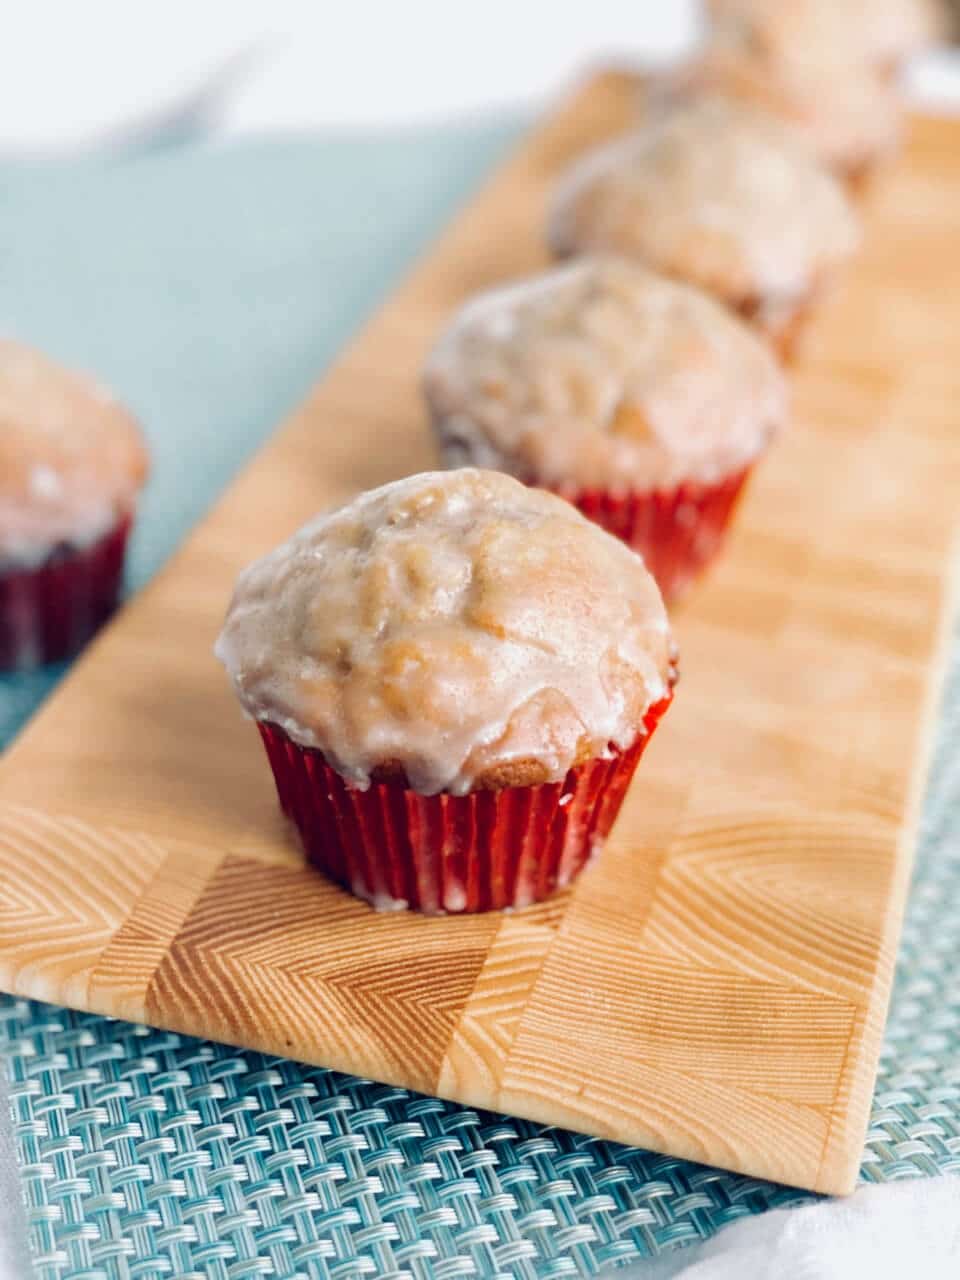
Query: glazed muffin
(642, 401)
(846, 113)
(72, 463)
(454, 677)
(880, 34)
(720, 197)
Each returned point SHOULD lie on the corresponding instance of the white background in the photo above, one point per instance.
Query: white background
(78, 73)
(73, 71)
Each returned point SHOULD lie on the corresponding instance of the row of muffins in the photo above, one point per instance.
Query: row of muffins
(454, 676)
(829, 68)
(73, 460)
(629, 381)
(639, 379)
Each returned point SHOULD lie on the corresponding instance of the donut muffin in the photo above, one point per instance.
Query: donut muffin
(845, 111)
(879, 34)
(719, 197)
(641, 400)
(454, 677)
(72, 463)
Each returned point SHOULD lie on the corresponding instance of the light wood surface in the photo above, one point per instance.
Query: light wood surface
(715, 987)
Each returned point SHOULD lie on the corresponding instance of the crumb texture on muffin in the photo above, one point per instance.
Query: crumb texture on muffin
(713, 193)
(455, 627)
(72, 459)
(602, 373)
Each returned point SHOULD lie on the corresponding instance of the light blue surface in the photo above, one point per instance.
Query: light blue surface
(209, 287)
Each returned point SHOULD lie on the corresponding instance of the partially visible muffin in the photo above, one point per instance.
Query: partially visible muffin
(72, 463)
(848, 114)
(721, 197)
(454, 676)
(641, 400)
(880, 34)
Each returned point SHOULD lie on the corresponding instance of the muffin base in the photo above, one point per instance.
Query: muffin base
(49, 613)
(679, 532)
(487, 850)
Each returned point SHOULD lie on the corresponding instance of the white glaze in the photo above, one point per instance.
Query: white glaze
(714, 194)
(27, 543)
(450, 623)
(602, 374)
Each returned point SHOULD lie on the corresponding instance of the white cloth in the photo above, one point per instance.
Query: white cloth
(897, 1231)
(14, 1263)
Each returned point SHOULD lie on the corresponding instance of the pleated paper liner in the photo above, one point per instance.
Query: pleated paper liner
(679, 532)
(482, 851)
(48, 613)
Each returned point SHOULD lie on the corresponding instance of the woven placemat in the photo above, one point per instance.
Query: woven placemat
(149, 1154)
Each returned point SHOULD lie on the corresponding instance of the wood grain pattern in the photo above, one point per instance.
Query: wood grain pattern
(715, 987)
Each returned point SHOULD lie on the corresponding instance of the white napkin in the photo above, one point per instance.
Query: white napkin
(899, 1231)
(14, 1264)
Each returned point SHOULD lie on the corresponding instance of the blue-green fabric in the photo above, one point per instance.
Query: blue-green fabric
(209, 287)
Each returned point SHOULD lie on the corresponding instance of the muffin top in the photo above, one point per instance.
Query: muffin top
(455, 629)
(848, 115)
(714, 194)
(601, 373)
(876, 32)
(71, 458)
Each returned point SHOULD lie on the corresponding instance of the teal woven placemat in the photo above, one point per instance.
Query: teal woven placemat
(148, 1154)
(209, 287)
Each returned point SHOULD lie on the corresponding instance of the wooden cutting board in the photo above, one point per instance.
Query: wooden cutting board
(715, 987)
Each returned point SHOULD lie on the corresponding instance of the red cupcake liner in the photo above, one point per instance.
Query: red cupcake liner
(479, 852)
(677, 531)
(50, 612)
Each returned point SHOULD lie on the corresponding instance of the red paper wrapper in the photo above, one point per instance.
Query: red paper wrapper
(50, 612)
(677, 531)
(480, 852)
